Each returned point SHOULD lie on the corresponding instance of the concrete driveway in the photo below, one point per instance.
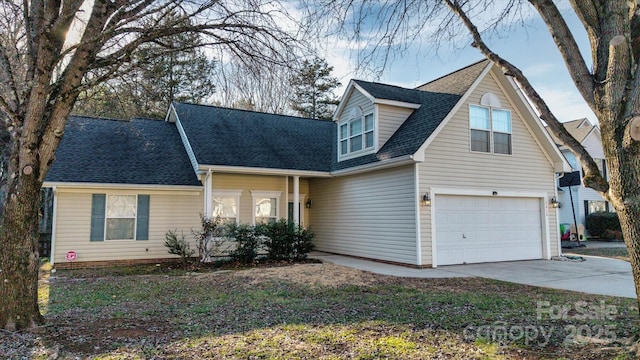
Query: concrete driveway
(595, 275)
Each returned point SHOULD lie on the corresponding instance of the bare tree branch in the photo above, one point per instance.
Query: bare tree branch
(568, 47)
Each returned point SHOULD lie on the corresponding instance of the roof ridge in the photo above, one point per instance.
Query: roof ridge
(384, 84)
(248, 111)
(449, 74)
(99, 118)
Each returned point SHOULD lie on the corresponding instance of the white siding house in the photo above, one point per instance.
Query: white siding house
(578, 201)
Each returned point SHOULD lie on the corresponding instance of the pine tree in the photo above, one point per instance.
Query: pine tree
(313, 90)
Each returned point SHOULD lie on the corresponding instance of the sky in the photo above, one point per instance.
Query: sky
(531, 49)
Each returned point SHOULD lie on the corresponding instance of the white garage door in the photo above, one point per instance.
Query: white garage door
(474, 229)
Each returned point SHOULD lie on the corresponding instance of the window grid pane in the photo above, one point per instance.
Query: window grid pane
(368, 122)
(266, 210)
(356, 143)
(479, 118)
(121, 206)
(369, 139)
(502, 143)
(501, 121)
(344, 131)
(121, 217)
(355, 127)
(225, 207)
(120, 229)
(343, 147)
(480, 141)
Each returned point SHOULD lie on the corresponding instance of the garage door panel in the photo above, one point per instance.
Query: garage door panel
(484, 229)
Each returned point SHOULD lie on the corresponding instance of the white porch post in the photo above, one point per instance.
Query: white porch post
(296, 200)
(208, 195)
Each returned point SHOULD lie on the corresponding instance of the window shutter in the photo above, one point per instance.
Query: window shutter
(98, 206)
(142, 226)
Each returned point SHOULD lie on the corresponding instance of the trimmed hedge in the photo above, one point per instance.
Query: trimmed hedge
(602, 223)
(284, 240)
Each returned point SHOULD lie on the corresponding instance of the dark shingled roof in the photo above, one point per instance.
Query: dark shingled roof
(231, 137)
(437, 99)
(151, 151)
(140, 151)
(579, 129)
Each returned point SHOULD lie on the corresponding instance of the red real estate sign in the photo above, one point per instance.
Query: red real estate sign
(71, 256)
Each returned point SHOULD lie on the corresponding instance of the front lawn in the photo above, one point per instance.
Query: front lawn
(619, 253)
(318, 311)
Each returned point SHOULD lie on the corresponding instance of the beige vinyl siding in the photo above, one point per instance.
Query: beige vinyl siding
(247, 183)
(356, 99)
(370, 215)
(450, 163)
(168, 210)
(389, 120)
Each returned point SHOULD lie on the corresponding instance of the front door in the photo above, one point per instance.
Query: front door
(290, 212)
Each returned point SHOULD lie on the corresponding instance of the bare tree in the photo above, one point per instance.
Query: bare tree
(611, 87)
(177, 69)
(244, 86)
(42, 71)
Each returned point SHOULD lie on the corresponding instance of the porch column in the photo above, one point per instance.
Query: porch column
(296, 200)
(208, 195)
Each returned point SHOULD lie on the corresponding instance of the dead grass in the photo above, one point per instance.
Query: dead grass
(311, 311)
(615, 253)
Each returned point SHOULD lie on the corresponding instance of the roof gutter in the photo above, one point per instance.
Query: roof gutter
(202, 169)
(384, 164)
(77, 185)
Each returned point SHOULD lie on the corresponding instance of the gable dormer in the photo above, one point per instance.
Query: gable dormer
(369, 114)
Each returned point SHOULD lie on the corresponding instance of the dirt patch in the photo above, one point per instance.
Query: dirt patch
(321, 274)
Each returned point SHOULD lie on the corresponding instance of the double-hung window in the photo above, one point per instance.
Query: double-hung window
(356, 134)
(490, 130)
(119, 217)
(225, 205)
(265, 204)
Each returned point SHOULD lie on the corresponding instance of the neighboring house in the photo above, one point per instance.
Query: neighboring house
(585, 200)
(459, 170)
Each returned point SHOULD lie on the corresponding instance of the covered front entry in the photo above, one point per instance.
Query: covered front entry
(475, 229)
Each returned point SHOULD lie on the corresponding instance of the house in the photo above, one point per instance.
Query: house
(577, 200)
(458, 170)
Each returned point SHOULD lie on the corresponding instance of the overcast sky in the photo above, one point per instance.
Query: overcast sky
(531, 49)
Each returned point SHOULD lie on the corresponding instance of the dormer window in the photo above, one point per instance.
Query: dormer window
(357, 133)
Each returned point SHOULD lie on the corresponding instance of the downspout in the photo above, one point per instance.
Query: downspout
(54, 191)
(207, 195)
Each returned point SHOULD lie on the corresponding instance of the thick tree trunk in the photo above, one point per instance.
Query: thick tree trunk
(630, 223)
(19, 256)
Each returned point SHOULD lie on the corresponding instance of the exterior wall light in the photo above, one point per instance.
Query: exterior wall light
(554, 203)
(308, 203)
(426, 199)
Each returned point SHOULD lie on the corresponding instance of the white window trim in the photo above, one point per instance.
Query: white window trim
(491, 131)
(106, 218)
(364, 150)
(229, 193)
(266, 194)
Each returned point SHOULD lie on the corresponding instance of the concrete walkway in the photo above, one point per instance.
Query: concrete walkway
(596, 275)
